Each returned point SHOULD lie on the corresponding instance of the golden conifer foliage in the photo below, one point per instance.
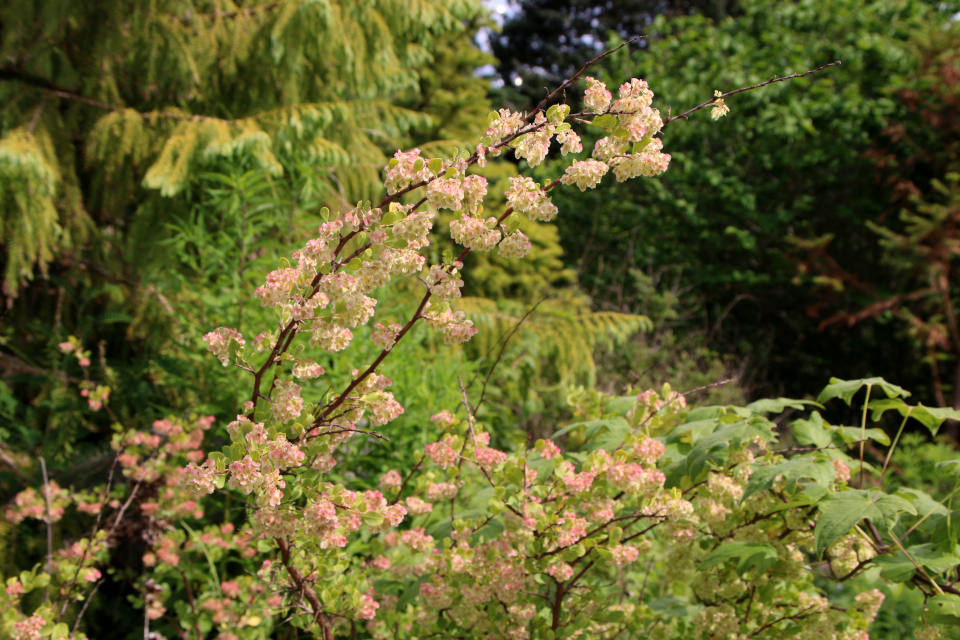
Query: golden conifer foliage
(103, 99)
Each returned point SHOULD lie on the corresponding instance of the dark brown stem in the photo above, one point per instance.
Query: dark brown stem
(304, 589)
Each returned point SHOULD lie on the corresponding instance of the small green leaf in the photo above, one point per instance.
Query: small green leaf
(846, 389)
(606, 121)
(373, 518)
(435, 165)
(60, 630)
(820, 471)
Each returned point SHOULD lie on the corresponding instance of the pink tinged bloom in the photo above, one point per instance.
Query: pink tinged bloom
(586, 174)
(307, 369)
(286, 402)
(66, 347)
(560, 572)
(381, 563)
(391, 481)
(474, 233)
(489, 458)
(264, 342)
(394, 514)
(29, 629)
(385, 410)
(441, 491)
(633, 478)
(417, 539)
(577, 483)
(624, 554)
(279, 287)
(569, 141)
(474, 190)
(453, 325)
(385, 336)
(245, 475)
(841, 472)
(445, 193)
(218, 343)
(91, 575)
(415, 228)
(444, 419)
(230, 588)
(368, 608)
(417, 507)
(283, 454)
(649, 450)
(443, 284)
(198, 481)
(870, 602)
(550, 450)
(14, 588)
(597, 97)
(441, 454)
(515, 246)
(649, 162)
(573, 529)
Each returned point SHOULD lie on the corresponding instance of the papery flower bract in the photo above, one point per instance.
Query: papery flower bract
(720, 108)
(586, 174)
(443, 284)
(417, 507)
(218, 342)
(391, 481)
(441, 454)
(624, 555)
(197, 481)
(286, 403)
(29, 629)
(597, 97)
(474, 190)
(307, 369)
(445, 193)
(280, 285)
(444, 419)
(441, 491)
(516, 246)
(475, 234)
(569, 141)
(841, 470)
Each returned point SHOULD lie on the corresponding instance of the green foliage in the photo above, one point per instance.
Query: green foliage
(787, 164)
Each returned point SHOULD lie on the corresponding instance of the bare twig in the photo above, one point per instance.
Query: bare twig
(503, 348)
(49, 522)
(709, 103)
(83, 609)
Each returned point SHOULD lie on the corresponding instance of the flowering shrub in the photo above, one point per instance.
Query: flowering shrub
(471, 541)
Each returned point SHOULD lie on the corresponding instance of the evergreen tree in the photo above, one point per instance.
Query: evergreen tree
(104, 100)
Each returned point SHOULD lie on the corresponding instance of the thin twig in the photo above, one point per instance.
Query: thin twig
(710, 102)
(503, 348)
(46, 494)
(83, 609)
